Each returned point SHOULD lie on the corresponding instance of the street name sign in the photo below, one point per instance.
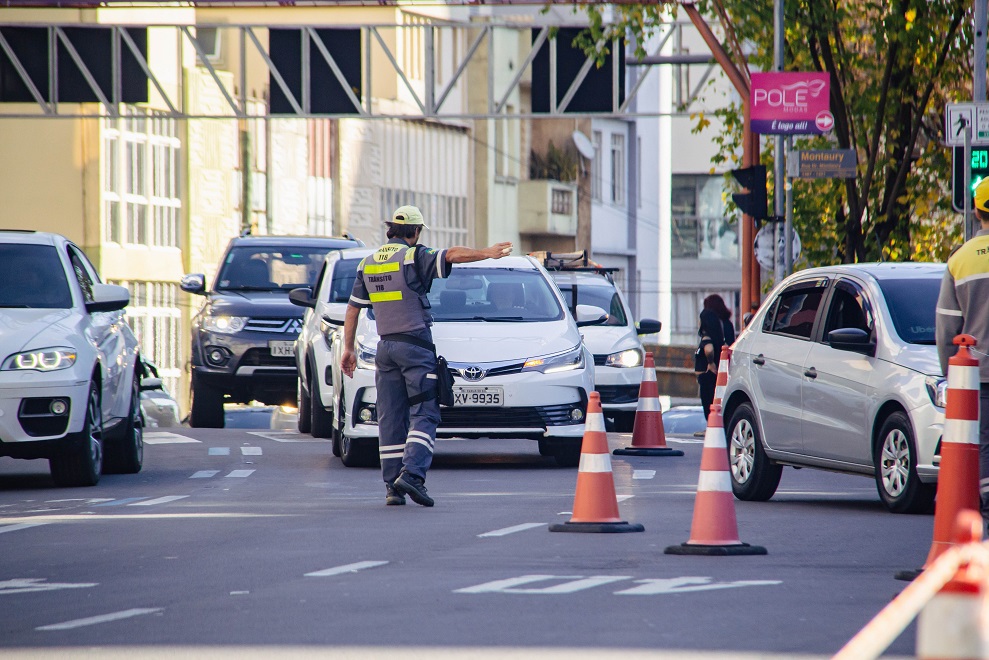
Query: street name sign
(955, 117)
(822, 164)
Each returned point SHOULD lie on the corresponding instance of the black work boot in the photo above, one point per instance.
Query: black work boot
(392, 496)
(414, 487)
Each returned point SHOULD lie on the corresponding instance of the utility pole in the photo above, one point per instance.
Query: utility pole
(779, 166)
(978, 96)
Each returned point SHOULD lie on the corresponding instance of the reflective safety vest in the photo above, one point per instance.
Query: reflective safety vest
(397, 308)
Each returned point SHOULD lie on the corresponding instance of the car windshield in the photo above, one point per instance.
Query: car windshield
(604, 297)
(494, 294)
(344, 274)
(249, 268)
(912, 304)
(32, 276)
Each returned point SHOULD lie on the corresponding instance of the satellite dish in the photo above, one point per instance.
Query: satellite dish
(584, 145)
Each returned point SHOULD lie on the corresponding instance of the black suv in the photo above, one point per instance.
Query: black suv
(243, 339)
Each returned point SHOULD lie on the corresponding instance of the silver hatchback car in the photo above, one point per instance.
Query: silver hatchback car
(838, 370)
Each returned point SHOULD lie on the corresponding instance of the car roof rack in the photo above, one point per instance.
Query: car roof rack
(572, 262)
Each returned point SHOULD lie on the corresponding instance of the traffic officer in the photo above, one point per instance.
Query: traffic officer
(394, 281)
(963, 308)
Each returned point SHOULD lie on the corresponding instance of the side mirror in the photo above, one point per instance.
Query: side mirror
(590, 315)
(193, 283)
(302, 297)
(648, 327)
(855, 340)
(108, 298)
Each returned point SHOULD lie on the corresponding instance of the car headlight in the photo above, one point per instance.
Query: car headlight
(224, 325)
(42, 359)
(628, 358)
(937, 389)
(365, 356)
(565, 361)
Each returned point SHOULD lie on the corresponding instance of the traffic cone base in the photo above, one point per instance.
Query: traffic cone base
(715, 550)
(647, 451)
(648, 434)
(595, 504)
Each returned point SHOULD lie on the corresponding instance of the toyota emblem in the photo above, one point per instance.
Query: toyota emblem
(472, 373)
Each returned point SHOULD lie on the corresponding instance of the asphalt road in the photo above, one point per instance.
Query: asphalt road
(236, 541)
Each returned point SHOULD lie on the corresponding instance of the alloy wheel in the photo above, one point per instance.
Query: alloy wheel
(895, 463)
(741, 451)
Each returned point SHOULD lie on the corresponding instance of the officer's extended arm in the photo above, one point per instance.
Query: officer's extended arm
(348, 361)
(464, 255)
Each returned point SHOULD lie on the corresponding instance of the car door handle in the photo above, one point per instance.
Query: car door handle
(759, 359)
(810, 373)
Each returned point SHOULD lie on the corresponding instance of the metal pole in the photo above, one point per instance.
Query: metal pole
(979, 52)
(778, 157)
(967, 215)
(788, 224)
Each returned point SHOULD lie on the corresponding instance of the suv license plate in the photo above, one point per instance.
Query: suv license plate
(478, 396)
(282, 348)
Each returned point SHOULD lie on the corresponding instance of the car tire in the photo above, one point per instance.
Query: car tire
(338, 425)
(80, 461)
(624, 422)
(207, 406)
(358, 452)
(754, 478)
(126, 455)
(321, 418)
(895, 459)
(305, 415)
(567, 454)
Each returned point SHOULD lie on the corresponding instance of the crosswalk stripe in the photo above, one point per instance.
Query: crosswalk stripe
(240, 473)
(121, 502)
(164, 438)
(159, 500)
(219, 451)
(205, 474)
(250, 451)
(103, 618)
(347, 568)
(511, 530)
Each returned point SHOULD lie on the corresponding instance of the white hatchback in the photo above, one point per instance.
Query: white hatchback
(521, 369)
(838, 370)
(69, 390)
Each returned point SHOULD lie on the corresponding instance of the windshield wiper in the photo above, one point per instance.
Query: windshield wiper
(493, 319)
(248, 288)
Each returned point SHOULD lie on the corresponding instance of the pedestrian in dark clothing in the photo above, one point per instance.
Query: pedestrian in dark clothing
(716, 330)
(394, 281)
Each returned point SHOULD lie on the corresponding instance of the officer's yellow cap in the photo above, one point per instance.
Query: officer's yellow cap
(408, 215)
(982, 195)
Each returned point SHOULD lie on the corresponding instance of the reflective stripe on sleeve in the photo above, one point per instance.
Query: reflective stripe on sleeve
(359, 301)
(387, 296)
(949, 312)
(377, 269)
(440, 260)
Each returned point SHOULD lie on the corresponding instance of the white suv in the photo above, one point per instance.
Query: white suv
(618, 352)
(69, 391)
(520, 371)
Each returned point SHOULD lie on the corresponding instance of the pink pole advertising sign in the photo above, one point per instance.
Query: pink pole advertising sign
(790, 103)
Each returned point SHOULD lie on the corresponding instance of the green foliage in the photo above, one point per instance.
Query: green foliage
(557, 164)
(893, 66)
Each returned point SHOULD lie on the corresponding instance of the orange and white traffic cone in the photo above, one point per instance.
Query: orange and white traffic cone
(722, 382)
(714, 530)
(648, 434)
(595, 505)
(958, 476)
(955, 622)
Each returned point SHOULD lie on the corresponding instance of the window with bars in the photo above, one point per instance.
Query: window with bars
(141, 202)
(562, 201)
(618, 182)
(155, 318)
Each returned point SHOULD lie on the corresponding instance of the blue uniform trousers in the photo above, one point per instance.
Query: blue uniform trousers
(406, 434)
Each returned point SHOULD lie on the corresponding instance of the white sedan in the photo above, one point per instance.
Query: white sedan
(69, 390)
(520, 367)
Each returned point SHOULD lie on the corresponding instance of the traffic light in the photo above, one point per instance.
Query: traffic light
(753, 202)
(980, 170)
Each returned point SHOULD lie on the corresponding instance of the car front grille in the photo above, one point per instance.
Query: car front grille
(498, 417)
(618, 393)
(262, 357)
(274, 325)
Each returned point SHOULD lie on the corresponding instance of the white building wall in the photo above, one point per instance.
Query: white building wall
(289, 177)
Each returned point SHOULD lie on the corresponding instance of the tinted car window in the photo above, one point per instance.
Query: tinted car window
(32, 276)
(489, 294)
(795, 311)
(600, 296)
(849, 309)
(911, 304)
(344, 273)
(270, 269)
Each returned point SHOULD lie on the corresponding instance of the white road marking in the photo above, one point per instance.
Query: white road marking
(165, 438)
(346, 568)
(205, 474)
(682, 585)
(686, 441)
(511, 530)
(622, 498)
(103, 618)
(15, 528)
(159, 500)
(287, 436)
(239, 474)
(219, 451)
(250, 451)
(239, 593)
(574, 583)
(32, 585)
(643, 474)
